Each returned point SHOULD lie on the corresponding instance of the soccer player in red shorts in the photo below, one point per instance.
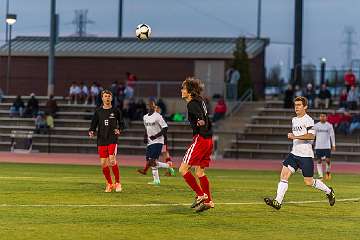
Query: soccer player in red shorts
(108, 122)
(198, 154)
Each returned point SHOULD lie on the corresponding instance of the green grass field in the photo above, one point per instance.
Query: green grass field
(67, 202)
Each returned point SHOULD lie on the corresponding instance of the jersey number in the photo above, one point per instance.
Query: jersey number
(106, 122)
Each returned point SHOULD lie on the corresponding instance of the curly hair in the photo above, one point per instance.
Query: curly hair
(301, 99)
(194, 86)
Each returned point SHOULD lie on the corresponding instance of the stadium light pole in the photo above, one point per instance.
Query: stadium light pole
(259, 20)
(6, 25)
(51, 60)
(120, 18)
(10, 20)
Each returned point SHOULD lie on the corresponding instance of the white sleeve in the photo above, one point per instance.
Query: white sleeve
(332, 135)
(161, 121)
(310, 126)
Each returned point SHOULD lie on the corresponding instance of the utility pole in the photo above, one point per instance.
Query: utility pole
(298, 42)
(120, 18)
(80, 21)
(349, 43)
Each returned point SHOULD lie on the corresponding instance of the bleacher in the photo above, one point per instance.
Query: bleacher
(266, 136)
(70, 133)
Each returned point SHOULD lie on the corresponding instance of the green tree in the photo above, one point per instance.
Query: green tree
(242, 64)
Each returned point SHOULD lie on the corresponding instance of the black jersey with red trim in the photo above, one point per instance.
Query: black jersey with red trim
(197, 110)
(105, 121)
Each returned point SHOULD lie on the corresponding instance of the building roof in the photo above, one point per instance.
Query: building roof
(166, 47)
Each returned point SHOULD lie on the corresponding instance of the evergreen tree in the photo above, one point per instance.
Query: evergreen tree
(242, 64)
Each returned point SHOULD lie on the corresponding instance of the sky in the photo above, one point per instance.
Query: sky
(324, 23)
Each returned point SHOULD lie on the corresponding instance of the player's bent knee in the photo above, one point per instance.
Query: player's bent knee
(183, 169)
(151, 162)
(200, 172)
(308, 182)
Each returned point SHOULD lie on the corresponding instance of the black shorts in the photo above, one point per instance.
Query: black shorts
(153, 151)
(306, 164)
(320, 153)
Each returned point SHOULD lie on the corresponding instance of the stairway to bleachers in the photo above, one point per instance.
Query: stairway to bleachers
(70, 133)
(266, 136)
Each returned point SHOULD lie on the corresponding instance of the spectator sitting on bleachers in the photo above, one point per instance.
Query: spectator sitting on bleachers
(114, 88)
(344, 124)
(130, 79)
(84, 93)
(74, 93)
(355, 123)
(298, 92)
(220, 110)
(323, 98)
(51, 106)
(128, 92)
(289, 97)
(98, 100)
(352, 98)
(40, 124)
(343, 99)
(17, 107)
(310, 94)
(49, 121)
(94, 92)
(160, 103)
(141, 109)
(349, 79)
(32, 106)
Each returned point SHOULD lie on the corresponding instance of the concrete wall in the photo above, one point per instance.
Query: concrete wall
(211, 72)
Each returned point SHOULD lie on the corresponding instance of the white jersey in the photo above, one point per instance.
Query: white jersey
(153, 125)
(324, 134)
(302, 126)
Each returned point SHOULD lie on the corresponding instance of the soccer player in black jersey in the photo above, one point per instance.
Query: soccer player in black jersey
(108, 123)
(198, 154)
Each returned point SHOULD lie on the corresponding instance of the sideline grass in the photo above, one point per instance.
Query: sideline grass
(59, 185)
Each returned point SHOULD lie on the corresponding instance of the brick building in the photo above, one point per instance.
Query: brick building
(108, 59)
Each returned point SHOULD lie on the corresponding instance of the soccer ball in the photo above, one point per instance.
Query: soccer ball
(143, 31)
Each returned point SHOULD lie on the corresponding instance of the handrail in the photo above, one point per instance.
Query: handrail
(246, 97)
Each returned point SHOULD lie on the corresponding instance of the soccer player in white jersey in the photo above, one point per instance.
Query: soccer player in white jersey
(155, 130)
(325, 142)
(301, 156)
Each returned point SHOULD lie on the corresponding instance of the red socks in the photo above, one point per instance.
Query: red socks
(146, 167)
(106, 172)
(115, 170)
(191, 181)
(205, 186)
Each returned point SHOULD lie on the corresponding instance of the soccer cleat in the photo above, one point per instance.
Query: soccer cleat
(118, 187)
(109, 188)
(198, 200)
(272, 203)
(328, 176)
(331, 197)
(171, 171)
(155, 182)
(141, 171)
(205, 206)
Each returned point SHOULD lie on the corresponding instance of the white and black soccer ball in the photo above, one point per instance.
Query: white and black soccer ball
(143, 31)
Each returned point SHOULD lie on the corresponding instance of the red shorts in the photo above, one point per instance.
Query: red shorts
(198, 154)
(106, 151)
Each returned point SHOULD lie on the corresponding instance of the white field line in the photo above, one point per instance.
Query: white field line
(160, 204)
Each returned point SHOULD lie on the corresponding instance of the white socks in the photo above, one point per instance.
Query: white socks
(282, 188)
(320, 170)
(318, 184)
(162, 165)
(155, 174)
